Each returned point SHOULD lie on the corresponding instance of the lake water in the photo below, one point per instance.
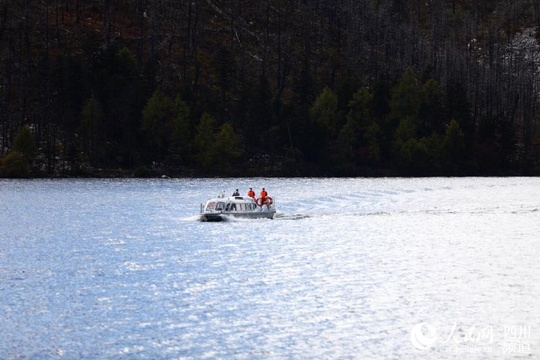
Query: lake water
(437, 268)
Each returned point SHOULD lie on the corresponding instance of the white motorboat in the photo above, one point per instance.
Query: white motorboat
(221, 207)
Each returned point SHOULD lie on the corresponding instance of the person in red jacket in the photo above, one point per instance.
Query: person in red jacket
(251, 193)
(264, 195)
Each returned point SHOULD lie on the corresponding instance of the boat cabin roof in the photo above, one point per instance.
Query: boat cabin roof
(235, 199)
(231, 204)
(240, 199)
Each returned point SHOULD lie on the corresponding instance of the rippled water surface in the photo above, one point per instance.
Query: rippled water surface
(349, 269)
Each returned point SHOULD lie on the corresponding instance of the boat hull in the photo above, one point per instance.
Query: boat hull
(222, 216)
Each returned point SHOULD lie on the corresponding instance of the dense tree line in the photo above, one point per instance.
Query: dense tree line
(269, 87)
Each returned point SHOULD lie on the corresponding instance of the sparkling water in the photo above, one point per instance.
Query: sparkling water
(348, 269)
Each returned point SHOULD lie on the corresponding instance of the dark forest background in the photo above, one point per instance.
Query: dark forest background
(270, 88)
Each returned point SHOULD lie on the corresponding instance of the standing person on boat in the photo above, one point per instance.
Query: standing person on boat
(236, 193)
(264, 195)
(251, 193)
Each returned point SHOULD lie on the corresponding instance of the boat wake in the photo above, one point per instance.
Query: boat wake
(403, 201)
(193, 218)
(292, 216)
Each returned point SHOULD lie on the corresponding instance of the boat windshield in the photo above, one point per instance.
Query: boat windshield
(211, 206)
(220, 206)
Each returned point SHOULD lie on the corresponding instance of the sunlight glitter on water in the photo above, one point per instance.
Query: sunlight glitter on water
(120, 269)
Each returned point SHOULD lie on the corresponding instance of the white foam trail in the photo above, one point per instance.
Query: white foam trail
(291, 216)
(191, 218)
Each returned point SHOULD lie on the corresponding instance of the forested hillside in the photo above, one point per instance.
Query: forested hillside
(269, 87)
